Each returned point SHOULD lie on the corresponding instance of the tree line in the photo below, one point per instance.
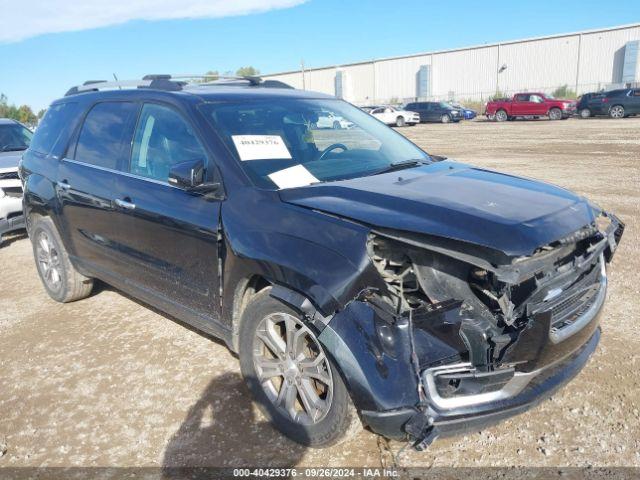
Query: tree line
(249, 71)
(22, 113)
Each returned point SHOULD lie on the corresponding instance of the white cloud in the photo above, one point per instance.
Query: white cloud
(20, 19)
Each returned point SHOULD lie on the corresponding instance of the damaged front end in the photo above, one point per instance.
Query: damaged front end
(463, 335)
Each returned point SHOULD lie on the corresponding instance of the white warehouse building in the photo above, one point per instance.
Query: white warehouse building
(583, 61)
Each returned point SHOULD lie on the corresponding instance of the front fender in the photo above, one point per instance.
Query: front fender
(320, 256)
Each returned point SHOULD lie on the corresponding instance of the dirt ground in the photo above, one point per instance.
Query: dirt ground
(109, 382)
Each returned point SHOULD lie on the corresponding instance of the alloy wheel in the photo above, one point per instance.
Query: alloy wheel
(501, 116)
(292, 368)
(617, 111)
(49, 261)
(555, 114)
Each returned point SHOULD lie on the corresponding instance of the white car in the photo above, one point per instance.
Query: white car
(393, 116)
(329, 120)
(14, 139)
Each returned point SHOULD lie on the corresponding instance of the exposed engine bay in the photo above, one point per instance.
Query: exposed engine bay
(495, 302)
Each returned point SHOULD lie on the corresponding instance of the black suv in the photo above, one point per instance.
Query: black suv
(587, 103)
(357, 278)
(618, 103)
(435, 111)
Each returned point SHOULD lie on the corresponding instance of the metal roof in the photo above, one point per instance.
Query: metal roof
(472, 47)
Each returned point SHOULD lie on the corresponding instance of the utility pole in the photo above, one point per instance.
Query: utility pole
(498, 70)
(578, 62)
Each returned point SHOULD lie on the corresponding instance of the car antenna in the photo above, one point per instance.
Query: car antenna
(116, 79)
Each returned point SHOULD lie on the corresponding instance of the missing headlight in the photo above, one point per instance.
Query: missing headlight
(396, 268)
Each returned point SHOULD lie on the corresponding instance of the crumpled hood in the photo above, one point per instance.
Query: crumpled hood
(511, 214)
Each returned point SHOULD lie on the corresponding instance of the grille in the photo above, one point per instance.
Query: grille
(9, 176)
(571, 308)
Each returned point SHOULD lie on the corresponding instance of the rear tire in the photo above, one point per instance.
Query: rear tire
(336, 125)
(400, 122)
(555, 114)
(617, 111)
(276, 351)
(61, 280)
(501, 116)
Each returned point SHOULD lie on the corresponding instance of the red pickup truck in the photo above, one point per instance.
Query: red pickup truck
(530, 105)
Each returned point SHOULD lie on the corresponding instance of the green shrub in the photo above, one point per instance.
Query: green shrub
(564, 92)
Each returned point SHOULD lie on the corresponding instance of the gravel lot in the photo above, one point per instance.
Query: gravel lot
(109, 382)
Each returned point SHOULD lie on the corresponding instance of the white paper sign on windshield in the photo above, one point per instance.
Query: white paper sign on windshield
(260, 147)
(296, 176)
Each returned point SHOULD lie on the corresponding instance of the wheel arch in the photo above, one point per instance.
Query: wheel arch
(39, 197)
(245, 289)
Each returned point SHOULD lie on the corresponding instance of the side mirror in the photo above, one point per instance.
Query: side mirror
(187, 175)
(190, 176)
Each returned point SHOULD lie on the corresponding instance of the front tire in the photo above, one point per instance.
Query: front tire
(617, 111)
(445, 118)
(337, 125)
(61, 280)
(501, 116)
(555, 114)
(294, 382)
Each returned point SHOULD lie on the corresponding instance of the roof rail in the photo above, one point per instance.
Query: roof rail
(171, 82)
(215, 79)
(94, 86)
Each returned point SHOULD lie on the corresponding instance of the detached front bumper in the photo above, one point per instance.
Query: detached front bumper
(437, 422)
(545, 356)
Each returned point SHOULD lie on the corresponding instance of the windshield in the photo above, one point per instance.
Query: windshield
(284, 143)
(14, 137)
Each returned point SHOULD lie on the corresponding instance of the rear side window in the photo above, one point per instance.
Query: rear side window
(50, 128)
(105, 138)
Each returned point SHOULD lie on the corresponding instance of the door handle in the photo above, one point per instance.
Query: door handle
(125, 204)
(64, 185)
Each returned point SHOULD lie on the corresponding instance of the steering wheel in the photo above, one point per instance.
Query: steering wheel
(330, 148)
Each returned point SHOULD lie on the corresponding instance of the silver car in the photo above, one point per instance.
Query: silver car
(14, 139)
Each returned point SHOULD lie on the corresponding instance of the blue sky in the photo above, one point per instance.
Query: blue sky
(40, 68)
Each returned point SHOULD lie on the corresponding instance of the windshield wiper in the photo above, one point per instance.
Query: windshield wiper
(401, 165)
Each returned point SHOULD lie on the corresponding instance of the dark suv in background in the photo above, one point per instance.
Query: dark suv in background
(618, 103)
(357, 278)
(586, 102)
(435, 111)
